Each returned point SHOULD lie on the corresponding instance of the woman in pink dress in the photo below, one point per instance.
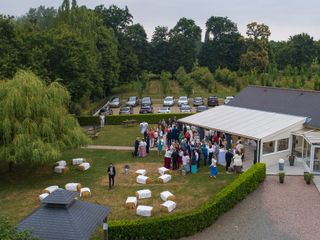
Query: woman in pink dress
(143, 149)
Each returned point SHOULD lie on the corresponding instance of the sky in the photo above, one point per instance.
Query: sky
(284, 17)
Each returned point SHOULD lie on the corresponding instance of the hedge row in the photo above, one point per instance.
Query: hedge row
(118, 119)
(189, 223)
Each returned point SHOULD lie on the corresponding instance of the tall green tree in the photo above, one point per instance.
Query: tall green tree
(35, 124)
(185, 40)
(165, 82)
(159, 50)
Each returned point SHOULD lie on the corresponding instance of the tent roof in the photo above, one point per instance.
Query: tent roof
(248, 123)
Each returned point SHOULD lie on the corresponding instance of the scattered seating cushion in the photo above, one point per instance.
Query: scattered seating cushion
(61, 169)
(145, 211)
(164, 178)
(43, 196)
(163, 170)
(168, 206)
(144, 193)
(77, 161)
(50, 189)
(166, 195)
(131, 202)
(61, 163)
(143, 179)
(75, 187)
(85, 192)
(84, 166)
(141, 172)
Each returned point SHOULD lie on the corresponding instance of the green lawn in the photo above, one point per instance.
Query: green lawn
(118, 135)
(19, 191)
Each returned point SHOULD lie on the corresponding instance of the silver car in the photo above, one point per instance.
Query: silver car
(132, 101)
(164, 110)
(183, 100)
(168, 101)
(185, 109)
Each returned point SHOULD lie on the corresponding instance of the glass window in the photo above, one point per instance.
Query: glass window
(268, 147)
(306, 154)
(283, 144)
(316, 163)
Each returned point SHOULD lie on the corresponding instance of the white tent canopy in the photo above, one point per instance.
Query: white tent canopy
(248, 123)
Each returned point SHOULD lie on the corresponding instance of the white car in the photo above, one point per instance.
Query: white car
(185, 108)
(183, 100)
(168, 101)
(164, 110)
(227, 99)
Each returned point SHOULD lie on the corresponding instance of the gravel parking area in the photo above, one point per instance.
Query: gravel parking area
(289, 211)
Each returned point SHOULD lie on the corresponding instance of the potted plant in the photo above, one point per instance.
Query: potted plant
(304, 175)
(308, 178)
(281, 177)
(291, 159)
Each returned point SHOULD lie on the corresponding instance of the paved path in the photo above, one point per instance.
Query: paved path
(274, 211)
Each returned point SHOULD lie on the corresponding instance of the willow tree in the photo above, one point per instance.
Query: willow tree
(35, 125)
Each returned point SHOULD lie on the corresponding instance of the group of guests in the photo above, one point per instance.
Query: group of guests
(188, 147)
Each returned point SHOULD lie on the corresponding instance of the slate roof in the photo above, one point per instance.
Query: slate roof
(76, 221)
(61, 197)
(281, 100)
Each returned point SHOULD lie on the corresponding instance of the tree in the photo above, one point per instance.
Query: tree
(159, 53)
(223, 44)
(258, 32)
(188, 86)
(185, 41)
(164, 82)
(35, 125)
(180, 75)
(202, 76)
(9, 232)
(252, 60)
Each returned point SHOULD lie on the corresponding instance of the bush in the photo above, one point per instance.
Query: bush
(88, 120)
(188, 223)
(8, 232)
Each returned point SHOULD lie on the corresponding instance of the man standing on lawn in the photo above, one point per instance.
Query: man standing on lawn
(111, 173)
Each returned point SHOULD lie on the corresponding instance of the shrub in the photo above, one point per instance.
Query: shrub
(118, 119)
(8, 232)
(188, 223)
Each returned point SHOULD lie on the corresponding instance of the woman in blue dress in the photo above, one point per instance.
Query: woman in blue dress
(213, 168)
(204, 150)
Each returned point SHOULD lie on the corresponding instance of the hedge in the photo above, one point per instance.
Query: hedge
(191, 222)
(118, 119)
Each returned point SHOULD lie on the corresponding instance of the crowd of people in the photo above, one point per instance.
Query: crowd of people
(189, 147)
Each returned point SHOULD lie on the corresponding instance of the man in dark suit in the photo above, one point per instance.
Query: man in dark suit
(136, 147)
(111, 173)
(229, 156)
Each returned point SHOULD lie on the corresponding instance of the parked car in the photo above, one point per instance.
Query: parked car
(183, 100)
(164, 110)
(106, 111)
(146, 101)
(227, 99)
(213, 101)
(126, 110)
(146, 109)
(197, 101)
(133, 101)
(185, 108)
(115, 102)
(168, 101)
(201, 108)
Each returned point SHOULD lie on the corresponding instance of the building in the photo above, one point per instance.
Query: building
(63, 217)
(281, 121)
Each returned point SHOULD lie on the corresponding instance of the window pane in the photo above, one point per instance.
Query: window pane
(283, 144)
(268, 147)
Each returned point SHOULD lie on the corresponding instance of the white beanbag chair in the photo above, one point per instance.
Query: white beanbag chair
(131, 202)
(84, 166)
(43, 196)
(85, 192)
(141, 172)
(163, 170)
(144, 193)
(143, 179)
(166, 195)
(61, 169)
(62, 163)
(145, 211)
(164, 178)
(50, 189)
(168, 206)
(77, 161)
(75, 187)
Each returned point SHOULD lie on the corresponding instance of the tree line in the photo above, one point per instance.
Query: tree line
(91, 51)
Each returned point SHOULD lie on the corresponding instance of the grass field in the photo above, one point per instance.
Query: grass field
(118, 135)
(19, 191)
